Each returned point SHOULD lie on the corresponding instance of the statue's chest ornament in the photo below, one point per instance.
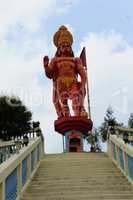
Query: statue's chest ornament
(66, 64)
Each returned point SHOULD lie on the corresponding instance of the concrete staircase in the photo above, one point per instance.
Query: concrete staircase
(78, 176)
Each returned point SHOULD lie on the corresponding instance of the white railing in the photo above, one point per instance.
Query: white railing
(6, 150)
(9, 148)
(17, 172)
(121, 155)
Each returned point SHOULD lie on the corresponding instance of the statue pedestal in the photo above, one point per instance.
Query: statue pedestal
(73, 128)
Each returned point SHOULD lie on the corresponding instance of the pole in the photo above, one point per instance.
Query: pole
(63, 142)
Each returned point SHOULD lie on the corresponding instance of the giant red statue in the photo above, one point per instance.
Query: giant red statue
(65, 70)
(69, 83)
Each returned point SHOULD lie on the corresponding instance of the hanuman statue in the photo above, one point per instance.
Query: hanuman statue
(65, 70)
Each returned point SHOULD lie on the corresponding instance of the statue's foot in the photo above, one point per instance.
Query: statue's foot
(66, 115)
(84, 114)
(60, 115)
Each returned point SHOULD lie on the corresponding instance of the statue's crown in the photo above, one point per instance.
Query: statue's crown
(62, 36)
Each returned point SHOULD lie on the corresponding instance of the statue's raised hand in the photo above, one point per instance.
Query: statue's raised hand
(45, 61)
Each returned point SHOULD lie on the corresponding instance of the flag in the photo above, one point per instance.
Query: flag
(83, 57)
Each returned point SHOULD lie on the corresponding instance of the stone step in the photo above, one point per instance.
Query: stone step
(78, 176)
(84, 196)
(55, 190)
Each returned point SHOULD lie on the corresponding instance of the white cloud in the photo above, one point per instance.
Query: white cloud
(30, 13)
(64, 6)
(25, 12)
(110, 69)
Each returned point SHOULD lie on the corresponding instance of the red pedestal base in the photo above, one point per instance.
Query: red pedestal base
(73, 128)
(75, 123)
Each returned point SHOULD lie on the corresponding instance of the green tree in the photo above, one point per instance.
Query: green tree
(130, 121)
(15, 118)
(93, 139)
(109, 120)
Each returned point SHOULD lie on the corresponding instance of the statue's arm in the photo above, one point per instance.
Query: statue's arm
(49, 67)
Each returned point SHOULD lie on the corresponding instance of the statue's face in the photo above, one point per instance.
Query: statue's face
(65, 49)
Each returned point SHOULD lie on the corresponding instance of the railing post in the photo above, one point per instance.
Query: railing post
(29, 166)
(3, 154)
(42, 149)
(13, 149)
(2, 191)
(118, 155)
(7, 152)
(125, 160)
(35, 156)
(109, 148)
(19, 179)
(112, 149)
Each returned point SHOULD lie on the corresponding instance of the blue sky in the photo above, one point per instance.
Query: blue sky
(97, 16)
(103, 26)
(83, 16)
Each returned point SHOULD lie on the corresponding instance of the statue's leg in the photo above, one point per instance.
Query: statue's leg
(74, 95)
(62, 95)
(58, 109)
(82, 93)
(64, 102)
(56, 102)
(75, 105)
(81, 100)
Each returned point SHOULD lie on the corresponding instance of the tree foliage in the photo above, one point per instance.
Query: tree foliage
(109, 120)
(130, 121)
(15, 118)
(94, 139)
